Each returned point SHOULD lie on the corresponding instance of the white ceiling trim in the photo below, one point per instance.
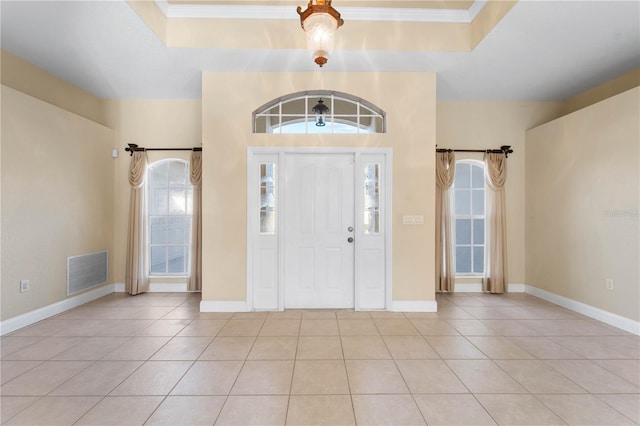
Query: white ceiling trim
(348, 13)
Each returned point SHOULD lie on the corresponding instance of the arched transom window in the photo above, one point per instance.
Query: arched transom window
(319, 112)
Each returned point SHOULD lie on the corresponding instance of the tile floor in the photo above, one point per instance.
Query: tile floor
(154, 359)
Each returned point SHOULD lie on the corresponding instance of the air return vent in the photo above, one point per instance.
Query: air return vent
(86, 271)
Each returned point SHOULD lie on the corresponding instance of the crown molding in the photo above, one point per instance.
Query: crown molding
(211, 11)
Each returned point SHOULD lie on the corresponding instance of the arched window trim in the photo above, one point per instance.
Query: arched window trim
(149, 216)
(364, 109)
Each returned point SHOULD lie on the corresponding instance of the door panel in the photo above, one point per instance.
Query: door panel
(319, 210)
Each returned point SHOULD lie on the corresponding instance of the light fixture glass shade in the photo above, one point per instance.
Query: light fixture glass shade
(320, 21)
(321, 31)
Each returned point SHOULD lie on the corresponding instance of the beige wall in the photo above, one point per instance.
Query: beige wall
(57, 197)
(27, 78)
(153, 123)
(482, 125)
(228, 100)
(582, 200)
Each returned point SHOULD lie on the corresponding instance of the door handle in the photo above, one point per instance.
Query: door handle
(350, 239)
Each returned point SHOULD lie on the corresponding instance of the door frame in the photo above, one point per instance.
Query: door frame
(277, 154)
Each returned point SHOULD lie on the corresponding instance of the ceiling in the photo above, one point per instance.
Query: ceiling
(540, 51)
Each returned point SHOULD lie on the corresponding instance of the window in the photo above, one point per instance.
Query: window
(294, 114)
(469, 218)
(170, 202)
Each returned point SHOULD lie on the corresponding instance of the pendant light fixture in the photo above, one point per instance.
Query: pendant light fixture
(320, 110)
(320, 21)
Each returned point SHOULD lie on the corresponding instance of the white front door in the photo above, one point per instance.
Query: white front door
(319, 231)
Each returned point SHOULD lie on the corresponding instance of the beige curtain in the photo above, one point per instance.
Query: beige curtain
(495, 273)
(445, 172)
(136, 277)
(195, 276)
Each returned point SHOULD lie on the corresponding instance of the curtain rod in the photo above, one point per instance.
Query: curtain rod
(134, 147)
(504, 149)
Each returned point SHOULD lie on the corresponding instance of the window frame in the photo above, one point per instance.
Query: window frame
(363, 109)
(471, 217)
(149, 216)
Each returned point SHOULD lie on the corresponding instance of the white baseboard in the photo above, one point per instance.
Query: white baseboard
(612, 319)
(414, 306)
(477, 288)
(224, 306)
(467, 288)
(158, 288)
(20, 321)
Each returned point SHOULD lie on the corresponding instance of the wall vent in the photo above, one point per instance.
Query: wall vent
(87, 271)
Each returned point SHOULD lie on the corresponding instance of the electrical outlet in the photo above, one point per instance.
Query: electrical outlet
(610, 284)
(24, 285)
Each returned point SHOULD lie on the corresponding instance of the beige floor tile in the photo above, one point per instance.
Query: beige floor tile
(501, 313)
(511, 328)
(364, 347)
(187, 410)
(430, 376)
(319, 327)
(288, 314)
(583, 410)
(137, 348)
(12, 405)
(242, 327)
(164, 327)
(250, 315)
(9, 370)
(43, 378)
(98, 379)
(209, 378)
(80, 328)
(448, 410)
(326, 377)
(386, 410)
(592, 377)
(50, 411)
(274, 348)
(329, 410)
(627, 369)
(349, 314)
(318, 314)
(92, 348)
(264, 378)
(374, 376)
(262, 410)
(123, 327)
(46, 328)
(628, 404)
(409, 347)
(454, 347)
(434, 327)
(121, 411)
(45, 349)
(395, 326)
(182, 349)
(152, 312)
(499, 347)
(153, 378)
(386, 314)
(11, 344)
(484, 376)
(627, 345)
(538, 377)
(518, 410)
(445, 312)
(544, 348)
(228, 348)
(280, 327)
(319, 347)
(357, 327)
(589, 347)
(471, 327)
(190, 313)
(203, 327)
